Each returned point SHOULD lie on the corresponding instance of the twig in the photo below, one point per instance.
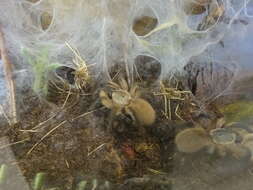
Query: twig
(170, 114)
(96, 149)
(67, 163)
(176, 113)
(115, 75)
(42, 123)
(82, 76)
(62, 90)
(9, 77)
(165, 105)
(157, 172)
(29, 130)
(11, 144)
(52, 130)
(86, 113)
(170, 94)
(66, 100)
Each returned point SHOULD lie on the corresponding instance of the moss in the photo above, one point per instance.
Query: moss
(238, 111)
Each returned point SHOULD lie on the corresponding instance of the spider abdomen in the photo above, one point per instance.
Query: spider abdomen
(143, 111)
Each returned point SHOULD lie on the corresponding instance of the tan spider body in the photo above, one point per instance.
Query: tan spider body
(81, 73)
(127, 99)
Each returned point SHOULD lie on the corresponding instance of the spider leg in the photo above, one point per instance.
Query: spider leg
(105, 100)
(134, 92)
(113, 85)
(123, 84)
(129, 112)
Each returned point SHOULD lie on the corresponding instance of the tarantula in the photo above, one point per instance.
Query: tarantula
(221, 140)
(126, 99)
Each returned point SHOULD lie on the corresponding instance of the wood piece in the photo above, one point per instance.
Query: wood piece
(8, 72)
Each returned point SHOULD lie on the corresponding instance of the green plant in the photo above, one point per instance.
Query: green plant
(81, 185)
(3, 171)
(238, 111)
(41, 66)
(39, 181)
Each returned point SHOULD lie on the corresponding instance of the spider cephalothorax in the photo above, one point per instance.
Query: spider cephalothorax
(124, 98)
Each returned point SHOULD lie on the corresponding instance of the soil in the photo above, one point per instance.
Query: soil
(82, 146)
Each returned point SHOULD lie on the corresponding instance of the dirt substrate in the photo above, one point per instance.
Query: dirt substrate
(77, 144)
